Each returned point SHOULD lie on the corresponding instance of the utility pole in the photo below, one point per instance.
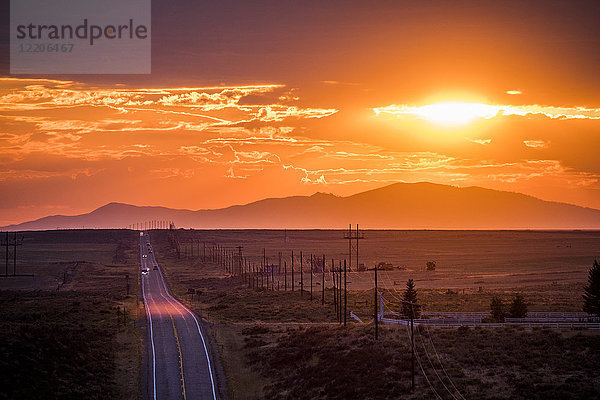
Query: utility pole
(412, 351)
(356, 248)
(272, 276)
(16, 241)
(292, 270)
(412, 341)
(301, 277)
(350, 243)
(6, 272)
(15, 254)
(375, 305)
(279, 271)
(351, 235)
(240, 256)
(323, 283)
(311, 273)
(285, 275)
(334, 288)
(345, 294)
(340, 291)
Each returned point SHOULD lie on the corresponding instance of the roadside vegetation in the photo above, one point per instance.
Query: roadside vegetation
(274, 344)
(337, 363)
(591, 294)
(71, 330)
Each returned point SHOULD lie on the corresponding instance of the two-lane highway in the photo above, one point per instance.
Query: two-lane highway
(179, 365)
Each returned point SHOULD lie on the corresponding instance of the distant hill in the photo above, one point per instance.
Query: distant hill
(397, 206)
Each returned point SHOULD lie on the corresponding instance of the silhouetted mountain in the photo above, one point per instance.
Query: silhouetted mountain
(397, 206)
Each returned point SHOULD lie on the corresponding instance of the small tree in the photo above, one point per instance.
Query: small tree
(410, 295)
(518, 307)
(591, 298)
(497, 310)
(430, 266)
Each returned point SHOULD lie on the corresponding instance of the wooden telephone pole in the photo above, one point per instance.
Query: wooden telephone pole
(345, 294)
(311, 275)
(301, 277)
(16, 241)
(412, 340)
(323, 283)
(356, 236)
(375, 306)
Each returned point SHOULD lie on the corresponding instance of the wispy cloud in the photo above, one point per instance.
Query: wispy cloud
(333, 82)
(536, 144)
(251, 135)
(482, 142)
(460, 111)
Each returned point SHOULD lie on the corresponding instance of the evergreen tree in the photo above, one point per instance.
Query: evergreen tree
(410, 294)
(591, 298)
(497, 310)
(518, 307)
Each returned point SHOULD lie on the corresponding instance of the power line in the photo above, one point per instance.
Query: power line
(427, 353)
(441, 364)
(433, 366)
(423, 370)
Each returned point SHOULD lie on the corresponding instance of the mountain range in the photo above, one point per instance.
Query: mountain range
(396, 206)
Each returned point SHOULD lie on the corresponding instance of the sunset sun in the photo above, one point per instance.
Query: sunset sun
(456, 113)
(451, 113)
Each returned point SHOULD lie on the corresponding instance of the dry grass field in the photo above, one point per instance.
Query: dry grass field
(276, 344)
(64, 331)
(464, 259)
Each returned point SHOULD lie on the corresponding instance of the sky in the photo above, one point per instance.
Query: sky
(248, 100)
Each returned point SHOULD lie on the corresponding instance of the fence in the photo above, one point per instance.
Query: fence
(564, 320)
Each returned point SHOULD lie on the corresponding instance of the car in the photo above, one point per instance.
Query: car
(155, 267)
(145, 256)
(144, 271)
(149, 250)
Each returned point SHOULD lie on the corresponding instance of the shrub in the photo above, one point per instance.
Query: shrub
(591, 297)
(410, 295)
(497, 310)
(518, 307)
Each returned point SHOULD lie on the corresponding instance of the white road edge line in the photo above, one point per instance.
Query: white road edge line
(147, 307)
(182, 316)
(199, 331)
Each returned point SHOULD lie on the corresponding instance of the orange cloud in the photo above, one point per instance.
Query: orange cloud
(536, 144)
(63, 140)
(464, 112)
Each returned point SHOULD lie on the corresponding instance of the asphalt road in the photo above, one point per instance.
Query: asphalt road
(179, 364)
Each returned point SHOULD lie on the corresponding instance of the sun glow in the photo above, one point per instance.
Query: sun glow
(448, 113)
(461, 113)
